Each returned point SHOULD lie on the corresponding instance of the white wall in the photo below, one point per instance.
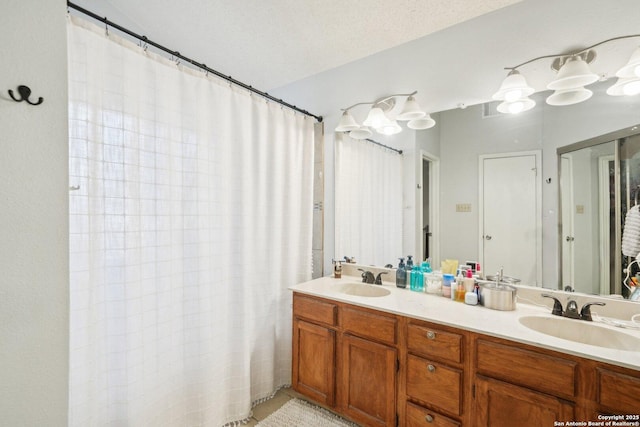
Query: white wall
(464, 135)
(34, 308)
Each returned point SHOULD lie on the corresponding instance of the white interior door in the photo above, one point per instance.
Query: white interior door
(511, 216)
(566, 200)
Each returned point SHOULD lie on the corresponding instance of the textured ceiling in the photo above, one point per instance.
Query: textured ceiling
(271, 43)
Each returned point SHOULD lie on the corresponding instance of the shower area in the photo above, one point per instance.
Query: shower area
(598, 237)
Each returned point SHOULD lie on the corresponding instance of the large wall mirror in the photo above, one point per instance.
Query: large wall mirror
(463, 136)
(598, 187)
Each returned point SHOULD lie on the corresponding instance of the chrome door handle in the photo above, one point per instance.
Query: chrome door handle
(431, 368)
(570, 239)
(431, 335)
(487, 237)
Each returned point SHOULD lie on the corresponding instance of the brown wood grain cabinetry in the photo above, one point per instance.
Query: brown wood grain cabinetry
(435, 374)
(376, 368)
(345, 358)
(618, 393)
(367, 385)
(501, 404)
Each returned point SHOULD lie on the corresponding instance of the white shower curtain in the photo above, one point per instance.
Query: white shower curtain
(192, 217)
(368, 181)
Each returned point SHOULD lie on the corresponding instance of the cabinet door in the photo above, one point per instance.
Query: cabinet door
(314, 361)
(501, 404)
(368, 382)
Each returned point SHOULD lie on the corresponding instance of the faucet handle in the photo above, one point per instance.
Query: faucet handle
(585, 312)
(557, 305)
(379, 278)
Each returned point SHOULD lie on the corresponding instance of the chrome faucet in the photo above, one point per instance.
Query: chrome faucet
(572, 309)
(367, 276)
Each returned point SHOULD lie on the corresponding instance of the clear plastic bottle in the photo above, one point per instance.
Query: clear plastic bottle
(417, 279)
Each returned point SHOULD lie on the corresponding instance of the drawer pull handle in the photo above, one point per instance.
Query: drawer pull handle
(429, 418)
(431, 335)
(431, 368)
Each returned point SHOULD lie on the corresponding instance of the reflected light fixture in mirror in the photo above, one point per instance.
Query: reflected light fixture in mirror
(573, 74)
(514, 93)
(382, 119)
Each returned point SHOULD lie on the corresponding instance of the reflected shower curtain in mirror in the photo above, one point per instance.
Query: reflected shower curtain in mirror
(368, 181)
(192, 217)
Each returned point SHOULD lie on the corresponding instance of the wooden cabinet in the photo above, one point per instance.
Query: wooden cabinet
(617, 392)
(380, 369)
(314, 362)
(345, 358)
(500, 404)
(367, 386)
(434, 375)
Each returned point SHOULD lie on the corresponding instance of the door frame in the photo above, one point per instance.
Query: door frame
(538, 160)
(434, 204)
(568, 176)
(604, 222)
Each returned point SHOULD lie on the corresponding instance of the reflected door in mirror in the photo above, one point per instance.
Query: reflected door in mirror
(510, 211)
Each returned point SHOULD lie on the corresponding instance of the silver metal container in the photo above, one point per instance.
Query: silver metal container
(498, 296)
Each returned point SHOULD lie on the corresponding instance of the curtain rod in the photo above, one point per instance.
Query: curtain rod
(385, 146)
(189, 60)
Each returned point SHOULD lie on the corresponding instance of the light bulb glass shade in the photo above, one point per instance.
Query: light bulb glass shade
(376, 118)
(425, 122)
(513, 87)
(574, 74)
(628, 86)
(569, 96)
(391, 128)
(632, 67)
(347, 123)
(517, 106)
(411, 110)
(362, 132)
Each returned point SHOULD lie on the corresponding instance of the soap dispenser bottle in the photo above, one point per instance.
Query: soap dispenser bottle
(401, 275)
(409, 270)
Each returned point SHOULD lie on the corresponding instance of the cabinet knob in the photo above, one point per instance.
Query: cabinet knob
(431, 368)
(429, 418)
(431, 335)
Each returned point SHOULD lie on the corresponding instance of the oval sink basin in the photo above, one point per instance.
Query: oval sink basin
(581, 331)
(363, 290)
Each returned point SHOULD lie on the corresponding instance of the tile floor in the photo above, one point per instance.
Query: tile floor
(264, 409)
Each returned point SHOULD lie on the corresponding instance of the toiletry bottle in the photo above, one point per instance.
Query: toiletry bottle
(409, 269)
(338, 270)
(469, 282)
(416, 275)
(401, 275)
(459, 289)
(447, 285)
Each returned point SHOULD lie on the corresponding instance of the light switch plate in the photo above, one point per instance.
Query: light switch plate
(463, 207)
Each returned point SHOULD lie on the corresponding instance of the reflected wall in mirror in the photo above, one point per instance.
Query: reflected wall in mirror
(599, 182)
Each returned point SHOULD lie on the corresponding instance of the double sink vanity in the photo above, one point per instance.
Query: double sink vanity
(384, 356)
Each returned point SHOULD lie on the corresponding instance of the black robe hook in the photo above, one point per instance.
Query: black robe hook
(25, 93)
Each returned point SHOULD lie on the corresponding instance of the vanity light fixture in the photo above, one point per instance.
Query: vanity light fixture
(573, 74)
(382, 119)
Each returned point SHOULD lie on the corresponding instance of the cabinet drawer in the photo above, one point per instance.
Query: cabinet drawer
(431, 342)
(369, 325)
(538, 371)
(618, 392)
(418, 416)
(435, 384)
(314, 309)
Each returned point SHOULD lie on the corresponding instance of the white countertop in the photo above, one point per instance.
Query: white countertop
(502, 324)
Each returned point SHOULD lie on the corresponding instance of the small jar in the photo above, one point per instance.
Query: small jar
(446, 290)
(434, 283)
